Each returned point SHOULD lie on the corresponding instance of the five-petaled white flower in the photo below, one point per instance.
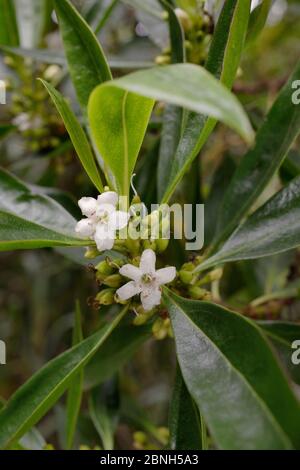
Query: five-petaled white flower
(145, 280)
(102, 219)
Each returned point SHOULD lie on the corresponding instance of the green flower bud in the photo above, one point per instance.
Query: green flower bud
(162, 60)
(186, 277)
(91, 253)
(150, 244)
(106, 297)
(104, 268)
(160, 328)
(162, 244)
(197, 293)
(115, 280)
(184, 19)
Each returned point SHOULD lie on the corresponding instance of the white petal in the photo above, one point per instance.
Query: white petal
(85, 228)
(148, 260)
(109, 197)
(88, 206)
(129, 290)
(104, 238)
(128, 270)
(150, 298)
(165, 275)
(118, 220)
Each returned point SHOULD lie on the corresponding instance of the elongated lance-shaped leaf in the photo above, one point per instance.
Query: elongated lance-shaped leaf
(76, 134)
(30, 219)
(234, 377)
(33, 399)
(223, 61)
(258, 20)
(76, 387)
(273, 141)
(118, 121)
(173, 117)
(87, 63)
(183, 416)
(285, 336)
(273, 228)
(9, 34)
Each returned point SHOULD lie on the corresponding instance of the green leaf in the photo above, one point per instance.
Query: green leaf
(283, 334)
(223, 61)
(233, 376)
(29, 219)
(273, 228)
(273, 141)
(87, 63)
(9, 35)
(32, 20)
(184, 415)
(32, 400)
(106, 15)
(75, 390)
(173, 116)
(191, 87)
(118, 121)
(258, 20)
(5, 130)
(118, 349)
(76, 134)
(103, 411)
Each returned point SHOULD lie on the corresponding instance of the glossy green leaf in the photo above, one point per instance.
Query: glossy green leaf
(29, 219)
(273, 141)
(106, 15)
(87, 63)
(103, 408)
(32, 400)
(118, 349)
(9, 35)
(183, 416)
(283, 334)
(76, 134)
(32, 20)
(191, 87)
(223, 61)
(273, 228)
(233, 376)
(75, 390)
(173, 116)
(258, 20)
(118, 121)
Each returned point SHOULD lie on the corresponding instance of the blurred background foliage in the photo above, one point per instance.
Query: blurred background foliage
(38, 288)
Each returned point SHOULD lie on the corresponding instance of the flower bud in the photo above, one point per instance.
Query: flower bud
(198, 293)
(150, 244)
(104, 268)
(162, 244)
(115, 280)
(184, 19)
(91, 253)
(162, 60)
(106, 297)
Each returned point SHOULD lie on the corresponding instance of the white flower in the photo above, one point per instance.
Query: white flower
(145, 280)
(103, 220)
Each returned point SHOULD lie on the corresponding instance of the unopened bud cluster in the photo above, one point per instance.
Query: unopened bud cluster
(31, 110)
(198, 29)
